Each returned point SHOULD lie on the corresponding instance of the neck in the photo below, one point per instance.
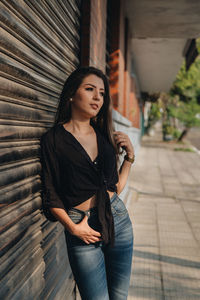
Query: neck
(80, 125)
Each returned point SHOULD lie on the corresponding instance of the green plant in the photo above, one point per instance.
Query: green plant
(184, 149)
(168, 129)
(176, 133)
(154, 115)
(187, 113)
(184, 103)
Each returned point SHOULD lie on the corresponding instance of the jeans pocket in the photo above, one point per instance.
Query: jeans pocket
(76, 217)
(118, 207)
(73, 241)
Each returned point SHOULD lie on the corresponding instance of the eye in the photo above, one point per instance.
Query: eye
(89, 89)
(102, 94)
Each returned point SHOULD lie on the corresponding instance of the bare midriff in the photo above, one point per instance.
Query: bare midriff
(91, 202)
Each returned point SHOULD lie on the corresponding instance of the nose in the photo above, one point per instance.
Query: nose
(96, 95)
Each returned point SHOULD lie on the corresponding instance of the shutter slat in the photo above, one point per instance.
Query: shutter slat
(39, 47)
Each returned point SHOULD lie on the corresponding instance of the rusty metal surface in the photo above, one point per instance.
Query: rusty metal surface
(39, 48)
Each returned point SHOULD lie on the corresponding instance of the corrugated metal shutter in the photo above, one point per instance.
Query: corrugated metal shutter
(40, 47)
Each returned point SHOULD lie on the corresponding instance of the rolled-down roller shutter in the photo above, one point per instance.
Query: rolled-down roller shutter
(39, 48)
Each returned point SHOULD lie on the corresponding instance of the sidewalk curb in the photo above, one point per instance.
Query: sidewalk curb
(192, 146)
(195, 149)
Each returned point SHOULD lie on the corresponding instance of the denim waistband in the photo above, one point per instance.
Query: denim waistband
(87, 212)
(114, 196)
(92, 210)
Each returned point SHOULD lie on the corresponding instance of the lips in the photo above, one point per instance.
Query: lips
(94, 106)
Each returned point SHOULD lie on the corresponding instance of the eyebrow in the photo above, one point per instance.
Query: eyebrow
(93, 85)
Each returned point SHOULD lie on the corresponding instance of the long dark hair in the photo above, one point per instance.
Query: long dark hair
(103, 120)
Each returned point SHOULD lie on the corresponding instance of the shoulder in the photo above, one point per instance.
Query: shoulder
(48, 137)
(107, 147)
(100, 133)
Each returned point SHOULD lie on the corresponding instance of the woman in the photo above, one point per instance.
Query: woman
(81, 185)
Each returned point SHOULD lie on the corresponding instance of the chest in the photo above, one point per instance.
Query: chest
(89, 144)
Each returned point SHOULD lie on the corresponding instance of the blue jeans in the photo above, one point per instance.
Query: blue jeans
(100, 271)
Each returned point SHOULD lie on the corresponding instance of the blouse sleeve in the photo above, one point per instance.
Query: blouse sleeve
(49, 176)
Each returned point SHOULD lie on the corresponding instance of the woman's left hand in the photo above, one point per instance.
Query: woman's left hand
(123, 141)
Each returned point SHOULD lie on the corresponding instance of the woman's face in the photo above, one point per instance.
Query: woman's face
(89, 97)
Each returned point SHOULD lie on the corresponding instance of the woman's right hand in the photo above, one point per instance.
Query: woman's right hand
(83, 231)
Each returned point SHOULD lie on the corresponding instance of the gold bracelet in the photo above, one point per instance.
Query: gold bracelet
(131, 160)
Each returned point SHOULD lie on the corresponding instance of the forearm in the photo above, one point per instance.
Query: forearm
(123, 175)
(82, 230)
(61, 215)
(123, 140)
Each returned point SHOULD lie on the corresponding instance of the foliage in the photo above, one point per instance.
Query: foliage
(187, 113)
(184, 149)
(198, 44)
(176, 133)
(181, 103)
(187, 83)
(154, 114)
(167, 128)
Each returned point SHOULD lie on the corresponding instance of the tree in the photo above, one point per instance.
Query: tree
(187, 83)
(186, 88)
(186, 112)
(182, 102)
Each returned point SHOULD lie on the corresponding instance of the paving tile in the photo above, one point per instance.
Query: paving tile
(156, 200)
(166, 217)
(174, 226)
(195, 224)
(190, 252)
(143, 238)
(147, 227)
(141, 293)
(178, 239)
(145, 280)
(170, 217)
(197, 234)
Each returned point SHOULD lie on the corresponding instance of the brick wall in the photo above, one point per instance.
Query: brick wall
(127, 71)
(117, 55)
(134, 107)
(93, 52)
(121, 82)
(93, 45)
(131, 103)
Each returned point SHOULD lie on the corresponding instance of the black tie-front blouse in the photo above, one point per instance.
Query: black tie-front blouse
(70, 177)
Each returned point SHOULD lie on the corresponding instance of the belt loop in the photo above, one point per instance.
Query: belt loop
(113, 197)
(87, 213)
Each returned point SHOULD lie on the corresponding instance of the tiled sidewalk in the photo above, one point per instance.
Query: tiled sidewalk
(164, 204)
